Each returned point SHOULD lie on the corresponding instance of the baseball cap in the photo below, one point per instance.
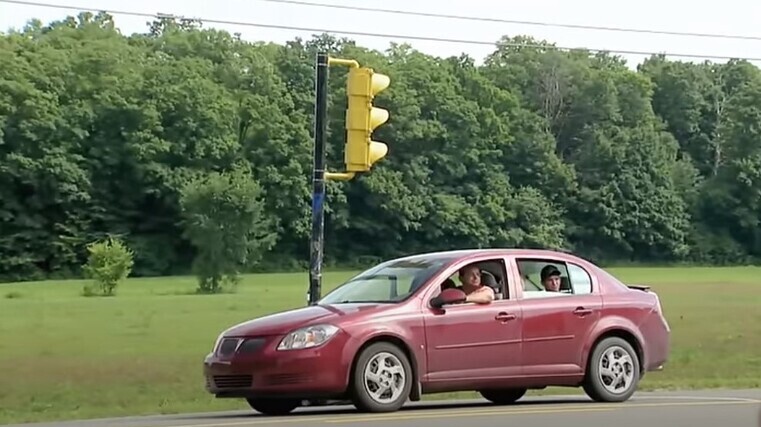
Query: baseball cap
(549, 271)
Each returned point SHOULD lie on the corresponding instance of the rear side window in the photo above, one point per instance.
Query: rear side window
(581, 282)
(574, 279)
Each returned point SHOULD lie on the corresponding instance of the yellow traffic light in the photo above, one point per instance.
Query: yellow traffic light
(361, 152)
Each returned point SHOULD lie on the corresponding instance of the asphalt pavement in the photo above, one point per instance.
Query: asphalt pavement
(715, 408)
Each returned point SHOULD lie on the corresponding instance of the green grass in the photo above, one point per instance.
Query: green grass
(64, 356)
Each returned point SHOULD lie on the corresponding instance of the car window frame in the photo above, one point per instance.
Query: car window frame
(432, 288)
(565, 261)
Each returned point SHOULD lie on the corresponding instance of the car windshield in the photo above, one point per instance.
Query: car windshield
(389, 282)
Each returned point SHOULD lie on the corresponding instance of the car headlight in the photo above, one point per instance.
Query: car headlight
(308, 337)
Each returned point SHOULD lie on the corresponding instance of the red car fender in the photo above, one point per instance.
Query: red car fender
(614, 324)
(382, 332)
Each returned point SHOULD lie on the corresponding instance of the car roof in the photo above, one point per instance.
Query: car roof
(557, 254)
(466, 253)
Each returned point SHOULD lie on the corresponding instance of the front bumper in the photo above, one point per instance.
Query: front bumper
(249, 367)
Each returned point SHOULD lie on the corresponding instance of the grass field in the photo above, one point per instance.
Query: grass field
(63, 356)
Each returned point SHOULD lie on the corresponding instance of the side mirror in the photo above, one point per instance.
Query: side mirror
(448, 296)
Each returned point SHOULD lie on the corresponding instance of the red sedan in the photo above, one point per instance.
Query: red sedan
(519, 319)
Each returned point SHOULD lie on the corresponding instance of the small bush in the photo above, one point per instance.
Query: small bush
(108, 264)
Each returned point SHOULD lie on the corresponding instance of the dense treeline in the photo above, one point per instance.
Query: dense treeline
(100, 133)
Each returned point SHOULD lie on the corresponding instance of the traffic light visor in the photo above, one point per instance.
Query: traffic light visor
(378, 116)
(379, 82)
(378, 150)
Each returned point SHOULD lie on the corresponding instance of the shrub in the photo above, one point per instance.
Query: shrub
(109, 263)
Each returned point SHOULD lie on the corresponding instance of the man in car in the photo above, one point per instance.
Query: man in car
(550, 276)
(470, 277)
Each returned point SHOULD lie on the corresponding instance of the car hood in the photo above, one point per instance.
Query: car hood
(286, 321)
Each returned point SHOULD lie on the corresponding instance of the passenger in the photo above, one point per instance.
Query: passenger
(470, 277)
(551, 278)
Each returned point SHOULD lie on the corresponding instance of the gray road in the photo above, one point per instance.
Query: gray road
(735, 408)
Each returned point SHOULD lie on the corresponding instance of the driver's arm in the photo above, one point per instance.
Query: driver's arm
(485, 295)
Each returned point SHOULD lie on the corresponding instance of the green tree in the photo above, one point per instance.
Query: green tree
(225, 222)
(101, 132)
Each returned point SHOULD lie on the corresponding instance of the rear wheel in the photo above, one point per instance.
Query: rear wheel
(503, 397)
(273, 406)
(382, 378)
(613, 371)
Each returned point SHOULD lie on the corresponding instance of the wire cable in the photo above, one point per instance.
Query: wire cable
(379, 35)
(511, 21)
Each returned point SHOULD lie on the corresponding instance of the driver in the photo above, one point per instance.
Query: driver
(470, 277)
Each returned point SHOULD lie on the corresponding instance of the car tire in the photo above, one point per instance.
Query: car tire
(504, 396)
(597, 387)
(268, 406)
(363, 386)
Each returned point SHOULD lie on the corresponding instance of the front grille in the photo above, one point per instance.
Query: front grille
(251, 345)
(228, 346)
(233, 381)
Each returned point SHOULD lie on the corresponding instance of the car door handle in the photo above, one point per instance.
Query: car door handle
(502, 316)
(581, 311)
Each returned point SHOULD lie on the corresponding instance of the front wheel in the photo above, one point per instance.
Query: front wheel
(613, 372)
(273, 406)
(382, 378)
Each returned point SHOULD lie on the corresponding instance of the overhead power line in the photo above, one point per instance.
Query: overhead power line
(512, 21)
(371, 34)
